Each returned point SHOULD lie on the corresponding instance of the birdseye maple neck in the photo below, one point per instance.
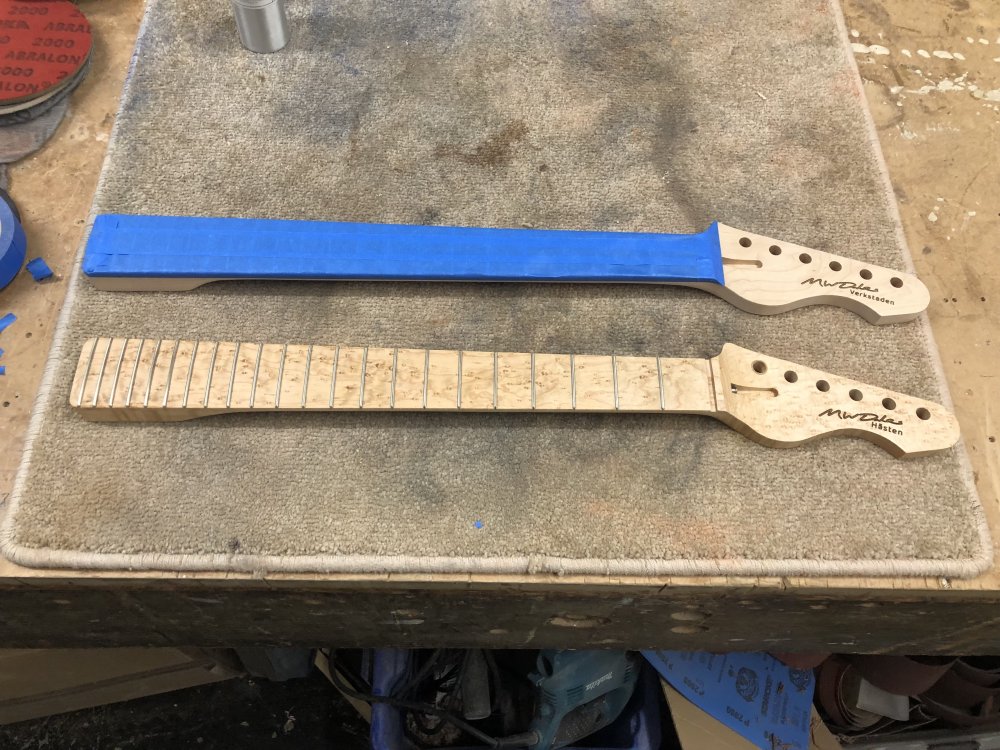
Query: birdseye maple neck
(775, 402)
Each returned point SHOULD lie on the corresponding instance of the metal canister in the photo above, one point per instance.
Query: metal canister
(262, 24)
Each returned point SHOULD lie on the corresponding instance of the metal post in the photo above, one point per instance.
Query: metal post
(262, 24)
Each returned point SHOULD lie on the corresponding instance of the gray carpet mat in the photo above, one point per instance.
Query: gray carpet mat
(654, 116)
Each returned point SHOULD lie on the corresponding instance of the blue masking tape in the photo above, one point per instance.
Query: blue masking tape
(6, 320)
(38, 269)
(214, 248)
(3, 370)
(13, 245)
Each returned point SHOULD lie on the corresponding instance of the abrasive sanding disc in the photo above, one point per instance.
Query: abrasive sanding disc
(44, 45)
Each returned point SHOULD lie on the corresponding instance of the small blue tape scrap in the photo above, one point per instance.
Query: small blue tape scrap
(478, 524)
(39, 269)
(6, 320)
(3, 370)
(1, 352)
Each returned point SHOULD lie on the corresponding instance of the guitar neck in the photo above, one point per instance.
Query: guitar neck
(772, 401)
(146, 379)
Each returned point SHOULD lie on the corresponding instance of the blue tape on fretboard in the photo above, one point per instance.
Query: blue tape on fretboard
(172, 247)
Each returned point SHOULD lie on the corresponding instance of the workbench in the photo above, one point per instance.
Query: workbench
(940, 147)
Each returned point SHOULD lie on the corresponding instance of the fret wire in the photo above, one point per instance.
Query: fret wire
(496, 378)
(100, 374)
(232, 376)
(333, 378)
(427, 367)
(532, 380)
(392, 380)
(572, 381)
(187, 382)
(305, 378)
(281, 374)
(86, 372)
(458, 398)
(364, 366)
(614, 376)
(135, 370)
(152, 370)
(659, 379)
(170, 371)
(256, 372)
(118, 372)
(211, 371)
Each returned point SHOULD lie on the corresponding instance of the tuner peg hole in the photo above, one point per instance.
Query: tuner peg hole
(822, 385)
(835, 266)
(865, 274)
(923, 413)
(888, 403)
(774, 250)
(896, 281)
(791, 376)
(759, 367)
(855, 394)
(806, 258)
(745, 242)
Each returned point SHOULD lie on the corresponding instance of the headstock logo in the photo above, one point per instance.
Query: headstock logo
(881, 422)
(853, 288)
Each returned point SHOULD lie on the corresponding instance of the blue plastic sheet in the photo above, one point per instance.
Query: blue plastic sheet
(216, 248)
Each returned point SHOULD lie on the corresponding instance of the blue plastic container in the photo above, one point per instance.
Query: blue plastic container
(639, 727)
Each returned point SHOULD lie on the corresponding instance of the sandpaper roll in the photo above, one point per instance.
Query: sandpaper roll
(957, 692)
(13, 244)
(902, 675)
(981, 670)
(985, 716)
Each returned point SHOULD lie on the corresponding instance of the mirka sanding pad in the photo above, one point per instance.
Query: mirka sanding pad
(44, 44)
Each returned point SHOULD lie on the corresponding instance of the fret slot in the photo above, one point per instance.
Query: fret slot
(223, 371)
(129, 390)
(194, 363)
(170, 372)
(513, 381)
(270, 358)
(378, 378)
(409, 378)
(442, 379)
(183, 377)
(189, 374)
(347, 394)
(122, 346)
(553, 384)
(477, 380)
(151, 373)
(83, 373)
(317, 387)
(594, 383)
(638, 388)
(291, 376)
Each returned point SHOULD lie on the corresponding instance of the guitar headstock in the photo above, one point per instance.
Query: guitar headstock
(765, 276)
(784, 404)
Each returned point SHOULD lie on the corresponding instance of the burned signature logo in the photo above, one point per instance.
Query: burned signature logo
(852, 288)
(840, 285)
(861, 416)
(875, 421)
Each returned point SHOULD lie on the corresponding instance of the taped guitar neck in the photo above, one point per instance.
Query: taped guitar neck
(758, 274)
